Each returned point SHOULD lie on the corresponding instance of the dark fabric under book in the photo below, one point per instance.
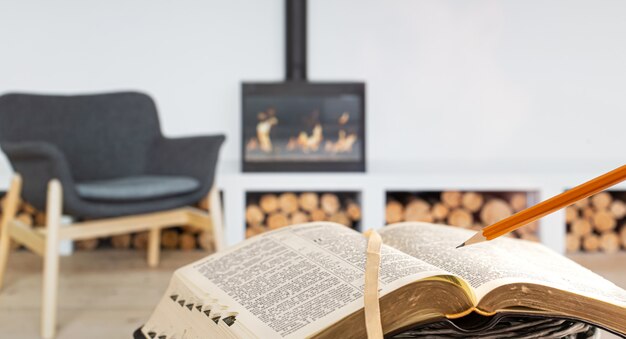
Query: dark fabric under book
(307, 281)
(498, 327)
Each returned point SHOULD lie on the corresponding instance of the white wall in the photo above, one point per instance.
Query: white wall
(481, 83)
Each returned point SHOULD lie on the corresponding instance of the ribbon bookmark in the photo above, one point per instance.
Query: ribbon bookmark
(373, 324)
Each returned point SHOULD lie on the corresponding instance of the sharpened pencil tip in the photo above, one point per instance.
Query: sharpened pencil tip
(478, 237)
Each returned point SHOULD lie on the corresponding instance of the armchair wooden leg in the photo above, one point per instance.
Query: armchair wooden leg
(215, 212)
(9, 208)
(51, 260)
(154, 247)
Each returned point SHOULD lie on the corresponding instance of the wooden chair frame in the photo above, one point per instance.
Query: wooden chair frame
(45, 240)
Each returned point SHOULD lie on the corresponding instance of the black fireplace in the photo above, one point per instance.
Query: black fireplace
(297, 125)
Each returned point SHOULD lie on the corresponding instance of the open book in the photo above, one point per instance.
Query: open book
(307, 281)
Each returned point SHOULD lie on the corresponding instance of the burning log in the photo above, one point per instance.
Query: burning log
(263, 128)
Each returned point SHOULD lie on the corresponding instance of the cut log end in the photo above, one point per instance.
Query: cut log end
(299, 218)
(309, 201)
(494, 211)
(169, 239)
(330, 203)
(472, 201)
(603, 221)
(461, 218)
(394, 212)
(288, 202)
(440, 211)
(572, 243)
(580, 227)
(609, 242)
(417, 210)
(591, 243)
(571, 214)
(277, 220)
(187, 241)
(519, 201)
(254, 215)
(451, 198)
(268, 203)
(602, 200)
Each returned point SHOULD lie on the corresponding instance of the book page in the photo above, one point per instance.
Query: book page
(498, 262)
(296, 281)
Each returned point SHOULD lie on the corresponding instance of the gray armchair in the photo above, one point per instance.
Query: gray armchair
(100, 157)
(108, 152)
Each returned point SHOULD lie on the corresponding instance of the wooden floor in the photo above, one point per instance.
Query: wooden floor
(102, 294)
(108, 294)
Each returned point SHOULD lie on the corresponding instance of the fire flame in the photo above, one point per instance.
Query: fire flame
(303, 142)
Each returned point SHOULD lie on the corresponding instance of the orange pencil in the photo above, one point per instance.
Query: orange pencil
(546, 207)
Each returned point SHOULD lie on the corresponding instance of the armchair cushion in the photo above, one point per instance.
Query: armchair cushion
(137, 188)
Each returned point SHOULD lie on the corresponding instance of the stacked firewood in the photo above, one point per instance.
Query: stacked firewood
(27, 214)
(183, 238)
(271, 211)
(597, 224)
(472, 210)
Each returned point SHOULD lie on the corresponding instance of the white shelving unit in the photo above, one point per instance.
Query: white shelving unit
(374, 185)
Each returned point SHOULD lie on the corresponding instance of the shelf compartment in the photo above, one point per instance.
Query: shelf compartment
(597, 224)
(269, 210)
(467, 209)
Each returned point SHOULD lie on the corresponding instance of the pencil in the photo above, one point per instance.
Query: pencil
(546, 207)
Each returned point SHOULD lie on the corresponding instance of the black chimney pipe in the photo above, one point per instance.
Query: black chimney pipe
(295, 40)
